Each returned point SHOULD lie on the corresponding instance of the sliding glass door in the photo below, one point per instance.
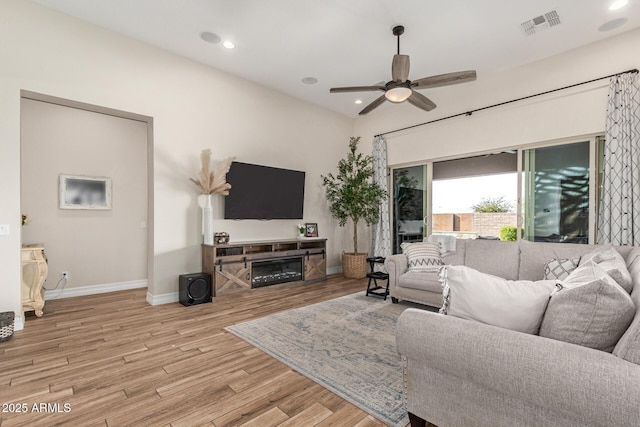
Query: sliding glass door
(556, 187)
(546, 193)
(409, 205)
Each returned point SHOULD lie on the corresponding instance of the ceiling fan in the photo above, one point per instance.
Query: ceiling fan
(402, 89)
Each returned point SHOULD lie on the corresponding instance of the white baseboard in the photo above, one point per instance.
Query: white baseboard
(94, 289)
(162, 298)
(18, 323)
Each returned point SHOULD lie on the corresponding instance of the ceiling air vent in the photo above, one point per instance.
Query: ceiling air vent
(532, 26)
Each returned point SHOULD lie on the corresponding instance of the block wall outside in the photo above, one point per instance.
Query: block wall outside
(444, 222)
(489, 224)
(473, 224)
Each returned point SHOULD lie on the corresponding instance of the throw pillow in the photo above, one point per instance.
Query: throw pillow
(560, 268)
(423, 256)
(512, 304)
(612, 262)
(589, 308)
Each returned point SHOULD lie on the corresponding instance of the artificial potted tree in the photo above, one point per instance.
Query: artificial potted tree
(352, 195)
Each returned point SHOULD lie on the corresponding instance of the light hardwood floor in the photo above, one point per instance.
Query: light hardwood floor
(114, 360)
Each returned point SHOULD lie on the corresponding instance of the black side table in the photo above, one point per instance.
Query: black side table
(374, 276)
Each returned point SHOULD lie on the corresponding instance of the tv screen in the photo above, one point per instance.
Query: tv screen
(263, 192)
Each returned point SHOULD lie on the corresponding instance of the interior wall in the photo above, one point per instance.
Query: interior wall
(96, 247)
(193, 107)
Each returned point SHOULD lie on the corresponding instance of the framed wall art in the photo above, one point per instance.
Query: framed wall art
(85, 192)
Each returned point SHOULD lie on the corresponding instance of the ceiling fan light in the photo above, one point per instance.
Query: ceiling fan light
(618, 4)
(398, 94)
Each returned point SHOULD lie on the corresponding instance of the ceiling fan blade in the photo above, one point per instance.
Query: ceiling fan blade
(400, 67)
(444, 79)
(373, 105)
(419, 100)
(356, 89)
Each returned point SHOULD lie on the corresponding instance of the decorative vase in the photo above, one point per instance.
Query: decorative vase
(207, 220)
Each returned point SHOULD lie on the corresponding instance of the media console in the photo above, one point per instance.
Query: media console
(245, 265)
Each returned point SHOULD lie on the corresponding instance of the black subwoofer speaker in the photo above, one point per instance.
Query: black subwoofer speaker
(195, 288)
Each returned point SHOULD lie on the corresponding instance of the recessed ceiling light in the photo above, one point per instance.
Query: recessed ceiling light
(309, 80)
(612, 25)
(358, 101)
(228, 44)
(210, 37)
(618, 4)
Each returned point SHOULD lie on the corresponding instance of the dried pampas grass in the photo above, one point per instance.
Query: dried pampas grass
(213, 182)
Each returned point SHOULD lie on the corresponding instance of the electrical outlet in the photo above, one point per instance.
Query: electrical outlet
(65, 275)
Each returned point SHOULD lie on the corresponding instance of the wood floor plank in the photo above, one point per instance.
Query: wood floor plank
(313, 415)
(118, 361)
(271, 418)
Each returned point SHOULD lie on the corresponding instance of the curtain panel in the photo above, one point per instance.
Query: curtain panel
(619, 213)
(381, 236)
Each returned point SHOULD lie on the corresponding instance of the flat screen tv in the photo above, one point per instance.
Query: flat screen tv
(264, 192)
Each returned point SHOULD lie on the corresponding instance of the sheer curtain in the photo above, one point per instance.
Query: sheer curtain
(381, 236)
(619, 214)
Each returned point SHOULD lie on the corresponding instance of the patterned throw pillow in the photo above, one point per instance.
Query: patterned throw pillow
(612, 263)
(423, 256)
(560, 268)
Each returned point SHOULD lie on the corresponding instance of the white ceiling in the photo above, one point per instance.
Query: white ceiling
(349, 42)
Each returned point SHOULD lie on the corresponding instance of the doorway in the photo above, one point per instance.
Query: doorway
(101, 250)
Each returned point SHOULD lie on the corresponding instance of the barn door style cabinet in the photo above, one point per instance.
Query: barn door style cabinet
(246, 265)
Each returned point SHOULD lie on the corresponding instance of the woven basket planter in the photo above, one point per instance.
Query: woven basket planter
(6, 325)
(354, 266)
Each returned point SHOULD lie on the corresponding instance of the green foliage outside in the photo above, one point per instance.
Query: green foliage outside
(509, 233)
(351, 194)
(492, 205)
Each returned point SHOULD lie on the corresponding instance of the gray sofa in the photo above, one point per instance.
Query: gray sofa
(521, 260)
(464, 373)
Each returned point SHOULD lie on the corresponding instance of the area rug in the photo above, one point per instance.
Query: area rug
(346, 345)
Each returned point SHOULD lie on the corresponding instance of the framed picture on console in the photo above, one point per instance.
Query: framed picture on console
(311, 229)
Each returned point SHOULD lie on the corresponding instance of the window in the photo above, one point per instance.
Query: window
(549, 192)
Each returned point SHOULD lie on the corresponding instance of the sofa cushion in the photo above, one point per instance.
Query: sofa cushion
(473, 295)
(628, 347)
(534, 255)
(560, 268)
(612, 262)
(421, 280)
(493, 257)
(589, 309)
(457, 257)
(422, 256)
